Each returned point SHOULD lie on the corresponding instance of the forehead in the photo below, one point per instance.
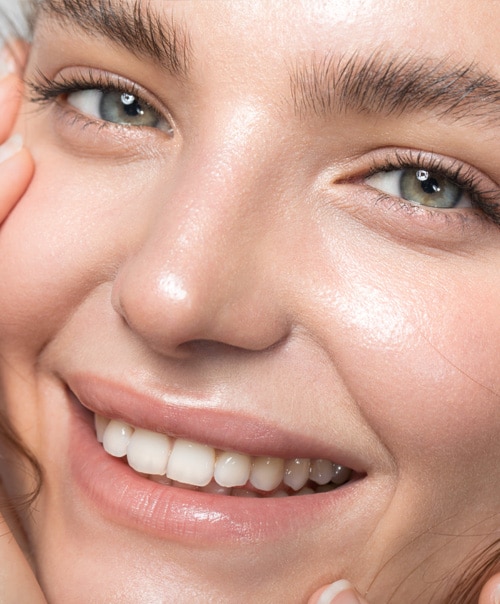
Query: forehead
(441, 26)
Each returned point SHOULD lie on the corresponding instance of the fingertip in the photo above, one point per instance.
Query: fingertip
(490, 594)
(15, 176)
(339, 592)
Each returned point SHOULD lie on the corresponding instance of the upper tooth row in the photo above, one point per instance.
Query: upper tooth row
(196, 464)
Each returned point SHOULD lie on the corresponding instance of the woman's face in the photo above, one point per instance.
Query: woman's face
(216, 247)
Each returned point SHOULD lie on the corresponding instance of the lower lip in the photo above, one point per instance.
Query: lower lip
(126, 498)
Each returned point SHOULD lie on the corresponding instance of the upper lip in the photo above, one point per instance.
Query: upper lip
(199, 422)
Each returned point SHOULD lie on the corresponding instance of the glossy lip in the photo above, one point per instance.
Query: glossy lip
(190, 517)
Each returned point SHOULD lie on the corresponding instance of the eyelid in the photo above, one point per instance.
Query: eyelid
(45, 90)
(484, 192)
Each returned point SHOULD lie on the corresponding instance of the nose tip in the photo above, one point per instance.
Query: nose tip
(209, 302)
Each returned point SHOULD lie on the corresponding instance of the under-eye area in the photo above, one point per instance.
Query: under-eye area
(187, 464)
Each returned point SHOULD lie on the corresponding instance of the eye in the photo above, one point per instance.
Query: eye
(421, 187)
(117, 107)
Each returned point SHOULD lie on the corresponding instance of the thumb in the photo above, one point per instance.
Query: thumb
(340, 592)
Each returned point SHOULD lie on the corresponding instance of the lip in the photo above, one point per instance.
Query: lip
(124, 497)
(198, 422)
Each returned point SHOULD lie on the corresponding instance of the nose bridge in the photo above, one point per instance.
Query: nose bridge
(201, 273)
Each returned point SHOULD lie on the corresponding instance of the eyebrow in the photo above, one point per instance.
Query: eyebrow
(135, 26)
(386, 85)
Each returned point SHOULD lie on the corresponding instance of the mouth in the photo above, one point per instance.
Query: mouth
(193, 473)
(192, 465)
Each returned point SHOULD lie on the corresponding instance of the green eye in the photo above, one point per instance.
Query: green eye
(421, 187)
(118, 107)
(428, 189)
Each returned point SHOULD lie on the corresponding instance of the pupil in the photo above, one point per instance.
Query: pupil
(131, 106)
(429, 185)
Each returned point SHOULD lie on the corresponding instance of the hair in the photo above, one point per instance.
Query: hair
(466, 590)
(11, 441)
(481, 568)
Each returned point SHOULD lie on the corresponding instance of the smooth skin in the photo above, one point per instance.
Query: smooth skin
(246, 248)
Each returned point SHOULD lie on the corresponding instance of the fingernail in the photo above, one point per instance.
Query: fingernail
(7, 63)
(340, 592)
(11, 147)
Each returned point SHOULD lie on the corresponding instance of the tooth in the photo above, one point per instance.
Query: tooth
(232, 469)
(148, 451)
(100, 424)
(321, 471)
(191, 463)
(267, 473)
(161, 480)
(184, 485)
(296, 473)
(305, 491)
(280, 494)
(116, 438)
(341, 474)
(215, 489)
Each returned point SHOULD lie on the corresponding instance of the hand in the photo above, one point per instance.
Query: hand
(16, 164)
(342, 592)
(17, 581)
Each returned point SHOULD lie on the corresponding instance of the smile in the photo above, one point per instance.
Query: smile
(187, 464)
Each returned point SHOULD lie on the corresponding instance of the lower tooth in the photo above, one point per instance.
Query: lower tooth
(161, 480)
(183, 485)
(306, 491)
(215, 489)
(280, 494)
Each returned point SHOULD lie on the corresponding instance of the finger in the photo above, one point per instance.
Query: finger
(16, 172)
(10, 98)
(340, 592)
(490, 594)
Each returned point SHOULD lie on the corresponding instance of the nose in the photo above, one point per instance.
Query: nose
(204, 271)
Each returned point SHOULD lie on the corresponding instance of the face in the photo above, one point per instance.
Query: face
(269, 232)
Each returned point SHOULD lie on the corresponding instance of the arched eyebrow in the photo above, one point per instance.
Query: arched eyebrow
(386, 85)
(136, 26)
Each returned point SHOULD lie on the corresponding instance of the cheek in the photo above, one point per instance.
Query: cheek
(421, 357)
(65, 237)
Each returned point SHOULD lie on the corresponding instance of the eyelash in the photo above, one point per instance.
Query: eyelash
(465, 177)
(45, 91)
